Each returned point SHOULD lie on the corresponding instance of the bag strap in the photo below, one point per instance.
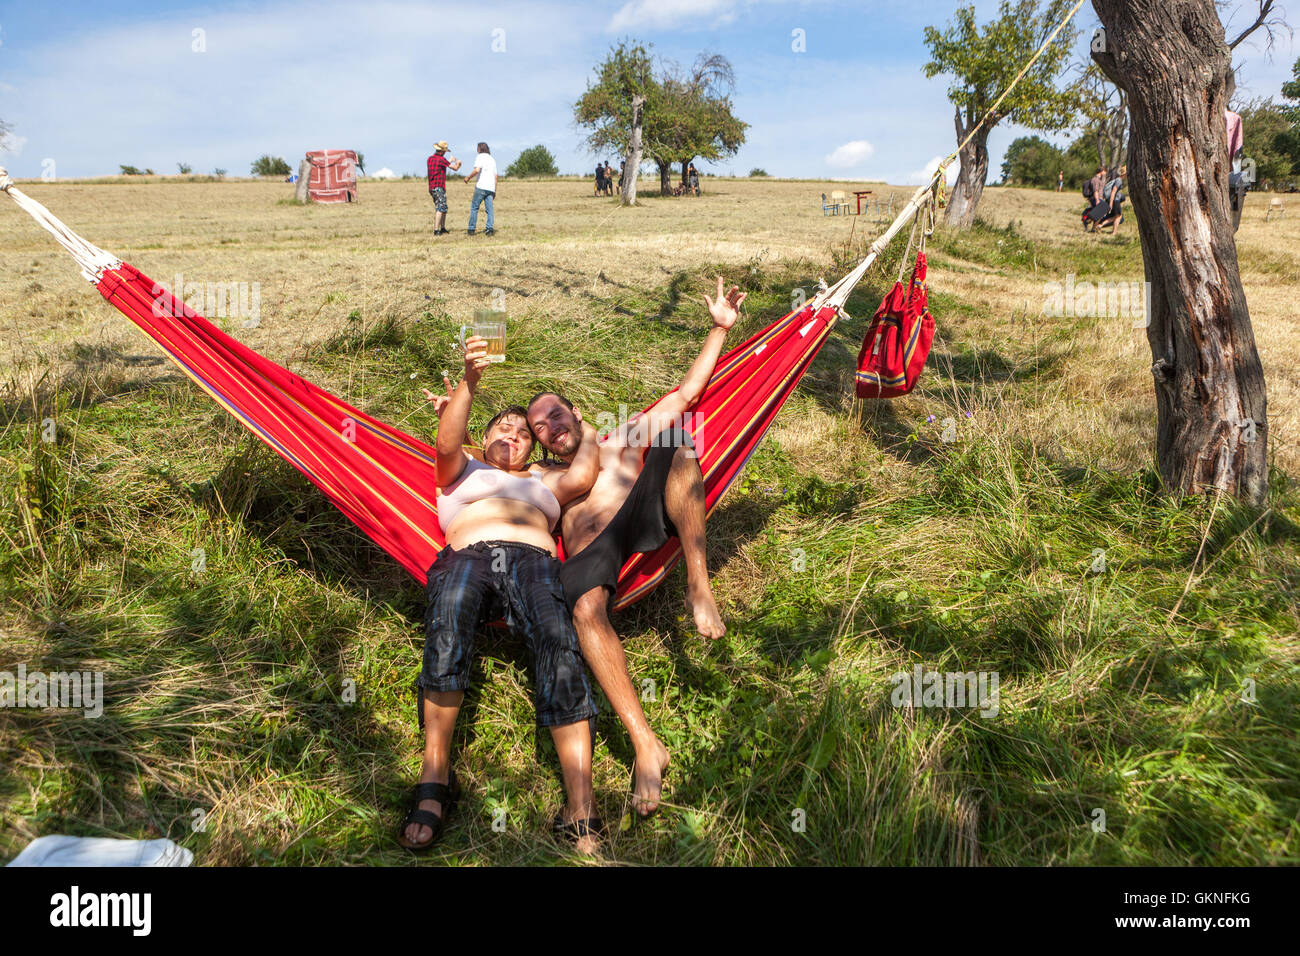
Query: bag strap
(911, 240)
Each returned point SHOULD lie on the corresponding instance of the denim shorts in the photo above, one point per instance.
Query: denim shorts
(471, 586)
(439, 194)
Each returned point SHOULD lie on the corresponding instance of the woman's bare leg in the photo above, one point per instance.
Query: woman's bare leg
(573, 745)
(440, 710)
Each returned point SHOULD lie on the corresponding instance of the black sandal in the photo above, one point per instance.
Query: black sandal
(576, 830)
(446, 794)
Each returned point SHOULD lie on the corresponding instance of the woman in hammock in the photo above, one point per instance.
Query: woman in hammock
(500, 561)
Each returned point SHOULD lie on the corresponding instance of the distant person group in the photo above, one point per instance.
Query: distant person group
(605, 178)
(1105, 195)
(689, 186)
(485, 190)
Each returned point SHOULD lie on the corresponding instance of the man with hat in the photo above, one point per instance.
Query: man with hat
(438, 166)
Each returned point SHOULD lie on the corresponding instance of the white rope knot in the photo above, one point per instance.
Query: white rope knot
(93, 260)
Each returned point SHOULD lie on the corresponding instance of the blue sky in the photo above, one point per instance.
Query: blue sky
(90, 91)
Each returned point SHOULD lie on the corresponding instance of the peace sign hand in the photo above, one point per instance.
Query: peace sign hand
(440, 402)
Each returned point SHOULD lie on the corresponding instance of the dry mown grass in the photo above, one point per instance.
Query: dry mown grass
(972, 554)
(558, 248)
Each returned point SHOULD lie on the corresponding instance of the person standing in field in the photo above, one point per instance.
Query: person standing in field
(1113, 197)
(438, 165)
(1236, 177)
(1060, 180)
(485, 190)
(1092, 190)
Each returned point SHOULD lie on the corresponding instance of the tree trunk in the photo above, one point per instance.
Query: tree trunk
(1117, 128)
(686, 164)
(304, 177)
(665, 188)
(1171, 60)
(965, 195)
(633, 158)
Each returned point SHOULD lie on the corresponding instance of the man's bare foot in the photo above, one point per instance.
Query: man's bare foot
(701, 604)
(647, 778)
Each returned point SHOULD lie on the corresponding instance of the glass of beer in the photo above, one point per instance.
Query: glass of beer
(491, 326)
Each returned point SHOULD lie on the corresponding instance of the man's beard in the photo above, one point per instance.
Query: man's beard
(566, 444)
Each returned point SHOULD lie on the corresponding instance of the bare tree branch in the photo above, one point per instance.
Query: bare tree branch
(1269, 23)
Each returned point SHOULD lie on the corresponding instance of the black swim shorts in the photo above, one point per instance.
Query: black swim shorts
(640, 525)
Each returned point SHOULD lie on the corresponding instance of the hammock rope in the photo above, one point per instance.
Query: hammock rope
(837, 294)
(93, 260)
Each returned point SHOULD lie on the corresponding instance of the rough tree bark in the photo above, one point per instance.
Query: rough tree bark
(665, 187)
(1171, 59)
(1111, 134)
(633, 159)
(966, 192)
(304, 178)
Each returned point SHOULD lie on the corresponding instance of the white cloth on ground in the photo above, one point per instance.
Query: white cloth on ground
(101, 851)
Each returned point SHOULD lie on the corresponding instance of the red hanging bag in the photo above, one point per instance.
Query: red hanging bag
(898, 342)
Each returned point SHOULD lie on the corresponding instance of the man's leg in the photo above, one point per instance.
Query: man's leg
(487, 202)
(473, 208)
(684, 502)
(603, 653)
(440, 206)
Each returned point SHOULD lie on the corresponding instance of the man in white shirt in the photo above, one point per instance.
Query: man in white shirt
(485, 168)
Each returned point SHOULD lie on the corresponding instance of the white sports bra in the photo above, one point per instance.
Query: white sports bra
(479, 481)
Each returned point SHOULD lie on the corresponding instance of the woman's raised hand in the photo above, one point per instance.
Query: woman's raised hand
(476, 360)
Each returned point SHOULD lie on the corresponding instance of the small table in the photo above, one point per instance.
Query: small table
(859, 193)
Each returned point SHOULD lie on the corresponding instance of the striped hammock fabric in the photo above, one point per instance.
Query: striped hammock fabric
(385, 480)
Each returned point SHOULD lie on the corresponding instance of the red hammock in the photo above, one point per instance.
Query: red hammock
(384, 480)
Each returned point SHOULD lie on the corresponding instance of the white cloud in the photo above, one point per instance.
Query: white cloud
(851, 154)
(235, 101)
(384, 173)
(668, 14)
(923, 175)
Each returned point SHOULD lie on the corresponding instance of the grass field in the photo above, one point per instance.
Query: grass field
(1161, 690)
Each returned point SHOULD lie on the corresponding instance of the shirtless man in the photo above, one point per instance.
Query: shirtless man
(641, 499)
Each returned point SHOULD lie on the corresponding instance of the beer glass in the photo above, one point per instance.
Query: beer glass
(491, 326)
